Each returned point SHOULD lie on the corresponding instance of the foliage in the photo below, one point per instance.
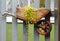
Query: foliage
(30, 15)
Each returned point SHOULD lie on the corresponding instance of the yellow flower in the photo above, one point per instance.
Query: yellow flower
(30, 14)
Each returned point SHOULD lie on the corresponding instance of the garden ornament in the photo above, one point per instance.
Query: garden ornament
(34, 16)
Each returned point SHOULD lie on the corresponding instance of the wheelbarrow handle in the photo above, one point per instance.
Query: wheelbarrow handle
(8, 14)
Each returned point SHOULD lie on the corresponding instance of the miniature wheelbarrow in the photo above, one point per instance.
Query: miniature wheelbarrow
(43, 26)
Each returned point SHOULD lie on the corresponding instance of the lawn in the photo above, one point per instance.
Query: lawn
(20, 33)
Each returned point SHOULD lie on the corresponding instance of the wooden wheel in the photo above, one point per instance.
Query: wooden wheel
(44, 27)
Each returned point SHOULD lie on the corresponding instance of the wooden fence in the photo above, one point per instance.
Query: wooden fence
(29, 34)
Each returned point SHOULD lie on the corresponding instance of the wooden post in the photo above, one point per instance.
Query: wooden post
(59, 20)
(35, 4)
(57, 23)
(46, 37)
(47, 5)
(25, 31)
(2, 20)
(42, 37)
(14, 21)
(30, 29)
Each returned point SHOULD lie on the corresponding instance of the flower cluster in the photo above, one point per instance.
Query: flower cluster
(30, 15)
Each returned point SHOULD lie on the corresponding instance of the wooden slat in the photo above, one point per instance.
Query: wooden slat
(14, 21)
(14, 30)
(35, 4)
(36, 35)
(2, 20)
(52, 33)
(47, 5)
(25, 31)
(57, 20)
(30, 32)
(56, 26)
(42, 37)
(24, 3)
(31, 36)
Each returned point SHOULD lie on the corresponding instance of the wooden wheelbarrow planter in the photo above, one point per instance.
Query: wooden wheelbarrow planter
(43, 26)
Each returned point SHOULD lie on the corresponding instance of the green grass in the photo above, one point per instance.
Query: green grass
(20, 33)
(52, 33)
(9, 32)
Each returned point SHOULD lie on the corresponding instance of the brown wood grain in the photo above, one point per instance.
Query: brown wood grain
(59, 18)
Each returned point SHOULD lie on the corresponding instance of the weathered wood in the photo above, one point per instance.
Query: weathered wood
(14, 21)
(36, 35)
(58, 20)
(2, 20)
(25, 31)
(35, 4)
(47, 5)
